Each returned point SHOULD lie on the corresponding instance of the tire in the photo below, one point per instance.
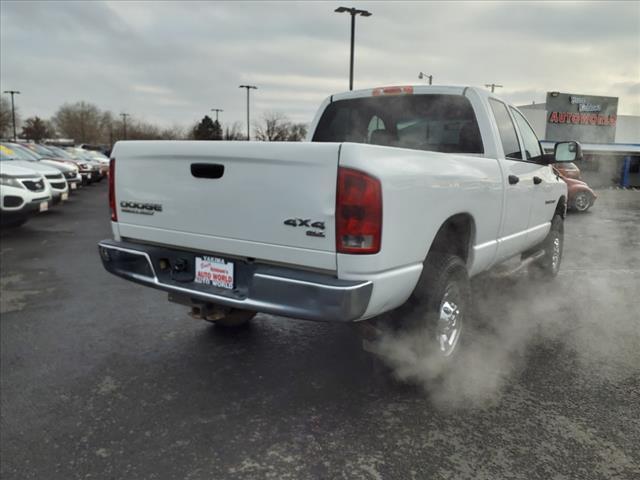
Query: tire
(582, 202)
(438, 307)
(549, 265)
(233, 318)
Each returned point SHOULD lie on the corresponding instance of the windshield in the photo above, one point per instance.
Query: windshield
(39, 150)
(78, 154)
(96, 155)
(16, 152)
(441, 123)
(59, 152)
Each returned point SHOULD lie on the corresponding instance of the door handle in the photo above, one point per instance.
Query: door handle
(207, 170)
(513, 179)
(537, 180)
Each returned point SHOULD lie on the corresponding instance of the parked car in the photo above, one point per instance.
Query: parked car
(97, 173)
(401, 196)
(52, 176)
(569, 170)
(86, 168)
(580, 196)
(99, 157)
(70, 170)
(104, 149)
(22, 192)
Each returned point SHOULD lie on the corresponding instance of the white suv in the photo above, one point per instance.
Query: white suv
(53, 176)
(22, 192)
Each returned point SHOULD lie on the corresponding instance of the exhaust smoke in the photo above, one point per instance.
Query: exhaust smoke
(587, 318)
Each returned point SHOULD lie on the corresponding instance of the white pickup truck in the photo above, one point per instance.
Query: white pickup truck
(399, 196)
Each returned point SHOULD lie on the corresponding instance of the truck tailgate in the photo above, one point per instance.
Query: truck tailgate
(269, 201)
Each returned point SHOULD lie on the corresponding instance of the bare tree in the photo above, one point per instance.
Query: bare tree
(5, 117)
(81, 121)
(236, 132)
(297, 132)
(272, 127)
(276, 127)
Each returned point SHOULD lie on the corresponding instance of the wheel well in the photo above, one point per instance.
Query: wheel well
(561, 207)
(455, 236)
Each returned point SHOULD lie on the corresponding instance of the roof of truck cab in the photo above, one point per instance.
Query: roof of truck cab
(419, 89)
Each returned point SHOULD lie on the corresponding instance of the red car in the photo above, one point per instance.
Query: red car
(581, 197)
(568, 170)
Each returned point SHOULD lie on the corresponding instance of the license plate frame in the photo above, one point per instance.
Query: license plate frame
(214, 272)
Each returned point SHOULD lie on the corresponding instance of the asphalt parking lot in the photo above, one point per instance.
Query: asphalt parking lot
(101, 378)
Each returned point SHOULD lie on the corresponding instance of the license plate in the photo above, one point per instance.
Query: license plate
(65, 196)
(214, 271)
(44, 206)
(73, 186)
(89, 176)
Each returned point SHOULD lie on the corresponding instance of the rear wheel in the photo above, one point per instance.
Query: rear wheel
(437, 309)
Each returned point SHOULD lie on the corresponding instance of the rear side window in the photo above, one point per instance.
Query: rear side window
(440, 123)
(507, 130)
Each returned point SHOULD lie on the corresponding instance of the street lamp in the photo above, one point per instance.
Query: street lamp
(13, 111)
(424, 75)
(353, 12)
(124, 124)
(492, 86)
(248, 87)
(217, 110)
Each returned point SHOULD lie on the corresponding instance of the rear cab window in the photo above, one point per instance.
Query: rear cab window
(440, 123)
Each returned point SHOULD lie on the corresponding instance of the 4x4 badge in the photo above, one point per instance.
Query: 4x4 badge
(304, 222)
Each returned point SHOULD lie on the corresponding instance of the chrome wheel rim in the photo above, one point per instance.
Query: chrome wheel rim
(555, 253)
(582, 202)
(449, 321)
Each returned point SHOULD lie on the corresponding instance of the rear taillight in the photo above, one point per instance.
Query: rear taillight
(112, 190)
(358, 212)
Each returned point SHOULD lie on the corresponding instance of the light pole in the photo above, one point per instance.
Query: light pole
(424, 75)
(492, 86)
(217, 110)
(124, 124)
(353, 12)
(248, 87)
(13, 111)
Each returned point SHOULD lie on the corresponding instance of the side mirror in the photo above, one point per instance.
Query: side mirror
(567, 152)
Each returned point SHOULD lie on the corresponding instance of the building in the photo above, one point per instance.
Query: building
(611, 142)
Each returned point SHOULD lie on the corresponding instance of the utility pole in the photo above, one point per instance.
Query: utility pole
(492, 86)
(217, 110)
(13, 111)
(424, 75)
(124, 124)
(353, 12)
(248, 87)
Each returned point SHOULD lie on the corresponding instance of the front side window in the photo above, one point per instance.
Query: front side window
(440, 123)
(507, 130)
(532, 149)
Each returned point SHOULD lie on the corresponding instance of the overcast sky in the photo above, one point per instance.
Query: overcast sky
(170, 62)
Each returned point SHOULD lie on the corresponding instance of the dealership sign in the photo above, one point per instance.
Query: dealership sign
(584, 118)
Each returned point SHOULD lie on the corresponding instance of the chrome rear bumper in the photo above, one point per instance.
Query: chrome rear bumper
(259, 287)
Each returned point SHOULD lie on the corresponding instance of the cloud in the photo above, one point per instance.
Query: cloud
(174, 61)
